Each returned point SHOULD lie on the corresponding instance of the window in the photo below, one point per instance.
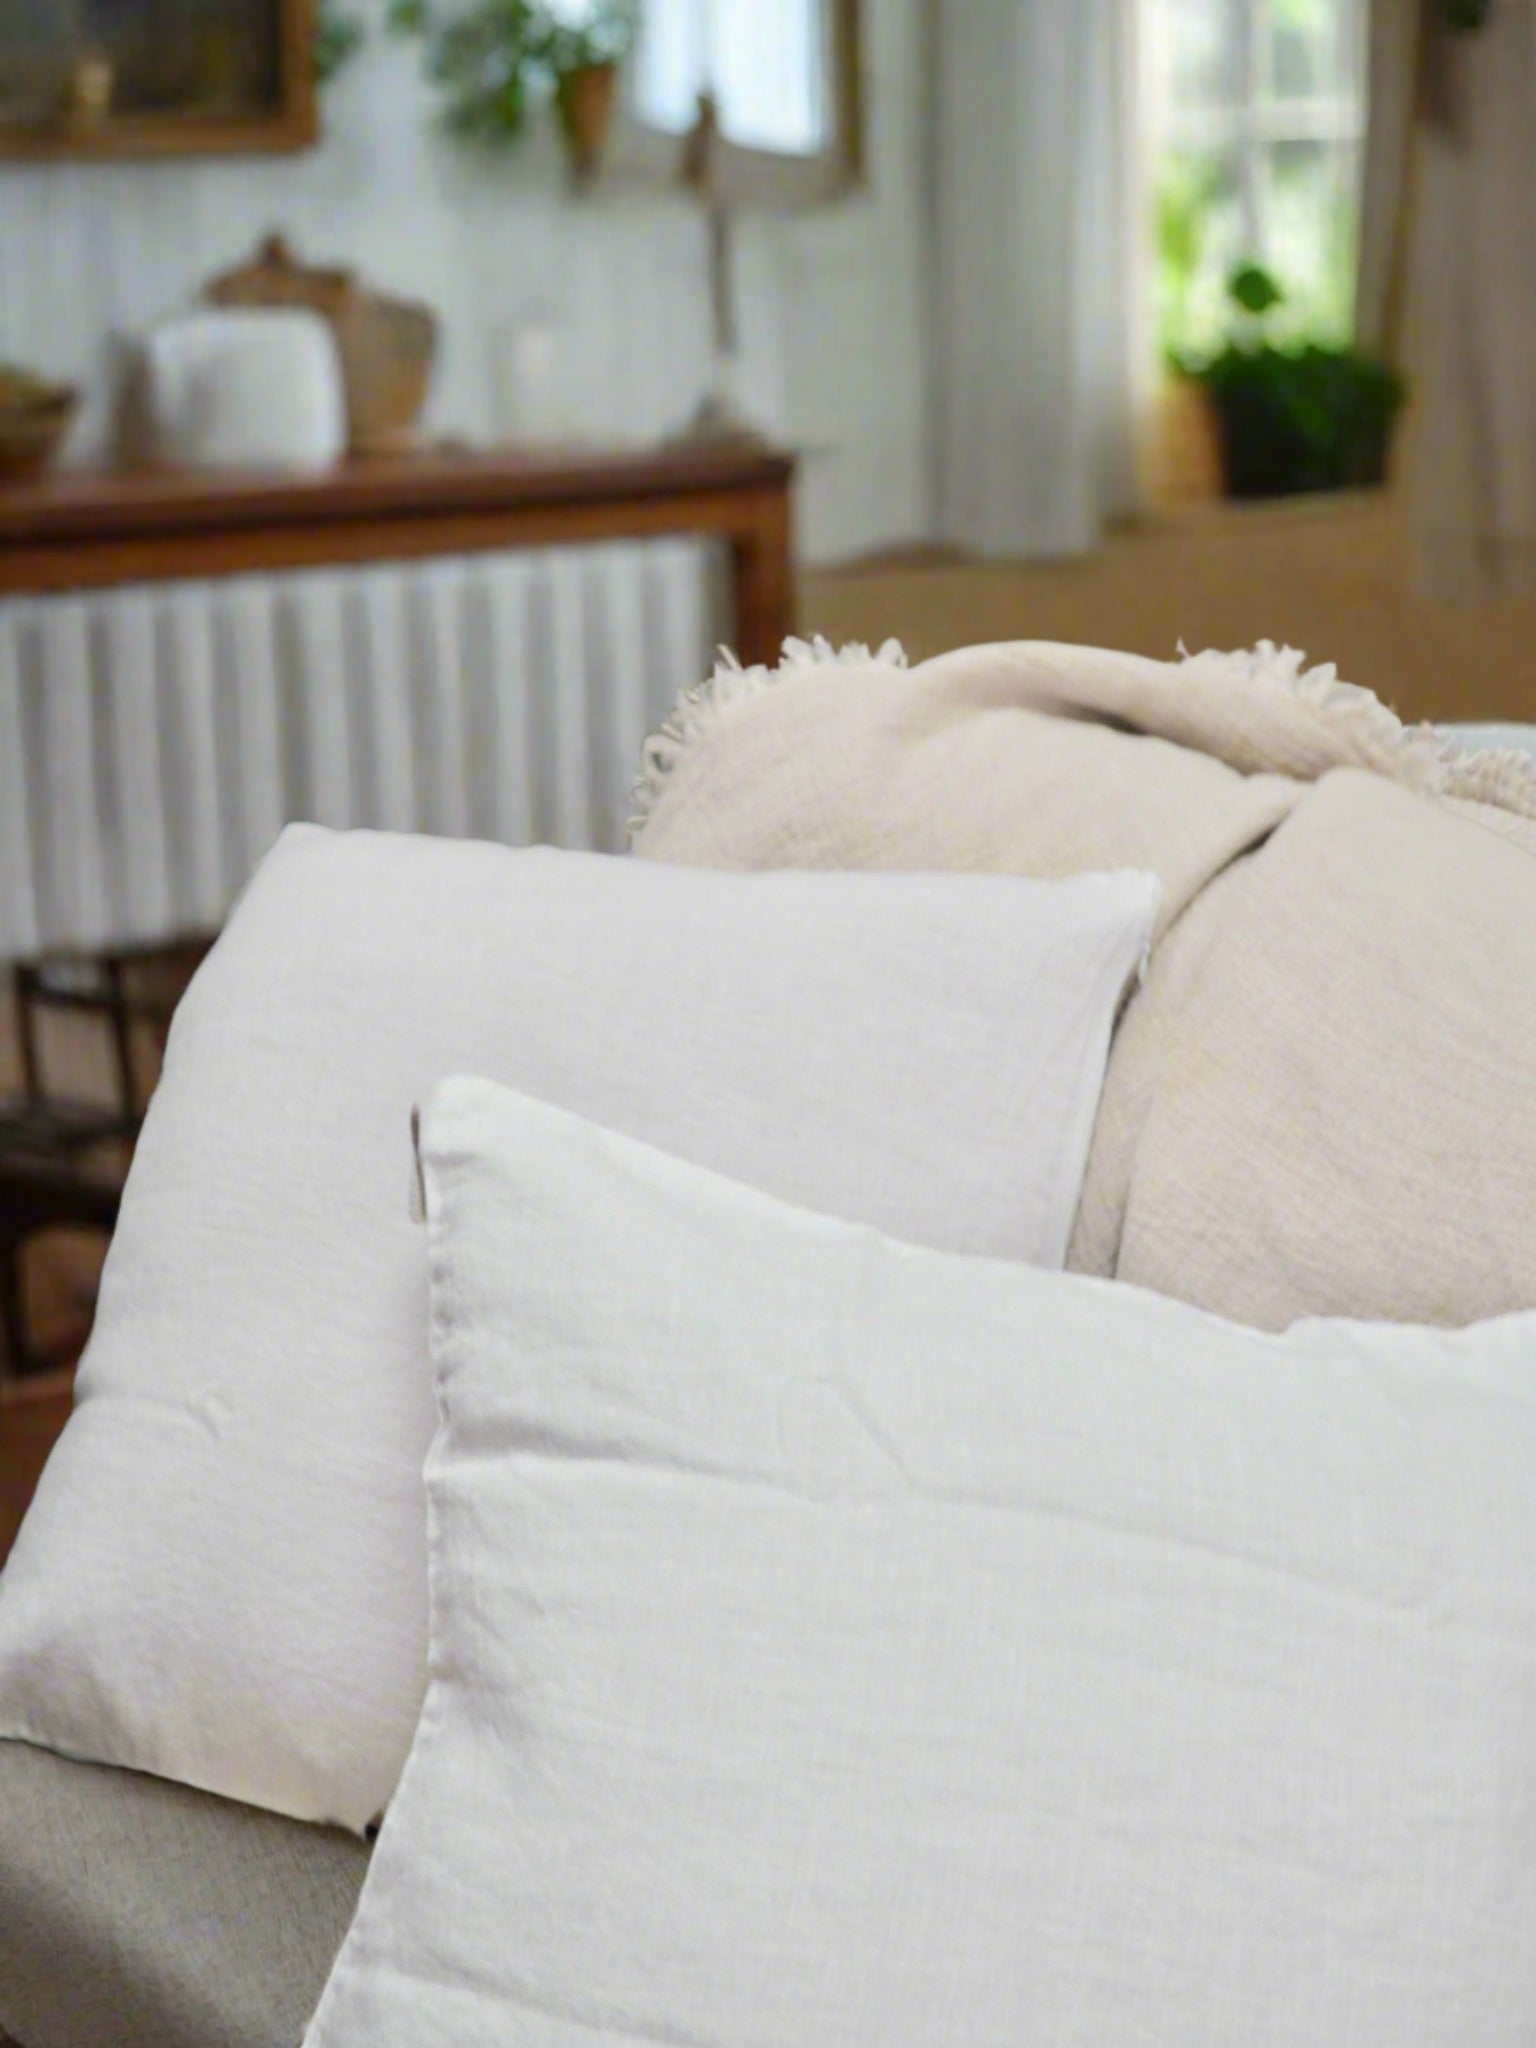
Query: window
(784, 75)
(764, 62)
(1259, 120)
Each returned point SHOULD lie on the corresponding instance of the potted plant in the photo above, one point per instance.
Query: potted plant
(1294, 416)
(493, 59)
(585, 58)
(485, 58)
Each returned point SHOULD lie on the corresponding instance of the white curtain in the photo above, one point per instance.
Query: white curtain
(1037, 267)
(1448, 283)
(1396, 66)
(1472, 314)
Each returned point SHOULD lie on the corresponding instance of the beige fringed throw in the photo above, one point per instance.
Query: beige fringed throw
(1323, 1099)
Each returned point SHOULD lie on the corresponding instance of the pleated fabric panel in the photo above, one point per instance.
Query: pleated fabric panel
(155, 740)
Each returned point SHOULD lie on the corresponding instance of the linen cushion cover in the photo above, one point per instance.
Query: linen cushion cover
(840, 1641)
(223, 1577)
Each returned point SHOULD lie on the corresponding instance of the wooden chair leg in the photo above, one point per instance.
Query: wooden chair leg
(13, 1325)
(24, 996)
(122, 1037)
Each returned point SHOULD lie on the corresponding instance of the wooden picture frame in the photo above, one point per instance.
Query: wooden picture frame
(81, 114)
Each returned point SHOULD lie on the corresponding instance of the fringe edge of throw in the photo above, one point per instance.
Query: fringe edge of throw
(1421, 757)
(701, 706)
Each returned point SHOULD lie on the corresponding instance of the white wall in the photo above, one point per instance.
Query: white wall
(836, 351)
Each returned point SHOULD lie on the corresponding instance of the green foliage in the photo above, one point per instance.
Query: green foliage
(492, 59)
(482, 57)
(1466, 15)
(1295, 416)
(1252, 288)
(1183, 203)
(605, 36)
(1306, 233)
(338, 37)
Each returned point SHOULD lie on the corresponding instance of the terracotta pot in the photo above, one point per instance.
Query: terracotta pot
(584, 100)
(1182, 452)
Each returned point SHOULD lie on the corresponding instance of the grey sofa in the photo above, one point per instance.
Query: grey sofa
(137, 1914)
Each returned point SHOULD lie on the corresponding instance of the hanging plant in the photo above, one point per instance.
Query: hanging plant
(483, 58)
(1463, 16)
(338, 38)
(493, 60)
(585, 61)
(602, 38)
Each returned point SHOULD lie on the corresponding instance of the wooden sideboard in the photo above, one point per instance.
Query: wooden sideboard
(86, 530)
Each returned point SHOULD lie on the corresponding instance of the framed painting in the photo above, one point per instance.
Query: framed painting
(113, 78)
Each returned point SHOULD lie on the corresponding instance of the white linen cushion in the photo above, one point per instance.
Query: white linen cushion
(223, 1579)
(836, 1641)
(1516, 739)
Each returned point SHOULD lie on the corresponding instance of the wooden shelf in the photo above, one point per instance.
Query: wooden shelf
(77, 530)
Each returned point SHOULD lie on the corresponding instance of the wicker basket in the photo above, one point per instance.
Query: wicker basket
(35, 416)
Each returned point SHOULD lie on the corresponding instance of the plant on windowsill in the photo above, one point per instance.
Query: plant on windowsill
(1294, 416)
(493, 60)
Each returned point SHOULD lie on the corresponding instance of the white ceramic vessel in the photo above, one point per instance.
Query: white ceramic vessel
(247, 388)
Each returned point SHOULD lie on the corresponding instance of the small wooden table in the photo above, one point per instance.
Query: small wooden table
(85, 530)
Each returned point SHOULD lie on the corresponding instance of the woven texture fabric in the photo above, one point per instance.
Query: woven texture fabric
(136, 1912)
(1323, 1099)
(838, 1641)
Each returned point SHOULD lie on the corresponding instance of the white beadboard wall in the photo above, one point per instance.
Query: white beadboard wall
(833, 304)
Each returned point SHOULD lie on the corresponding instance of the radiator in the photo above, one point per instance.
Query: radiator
(155, 740)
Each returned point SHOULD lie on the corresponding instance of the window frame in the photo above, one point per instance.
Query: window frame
(1258, 119)
(642, 154)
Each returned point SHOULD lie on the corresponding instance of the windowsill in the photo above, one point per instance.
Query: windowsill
(1181, 478)
(1203, 514)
